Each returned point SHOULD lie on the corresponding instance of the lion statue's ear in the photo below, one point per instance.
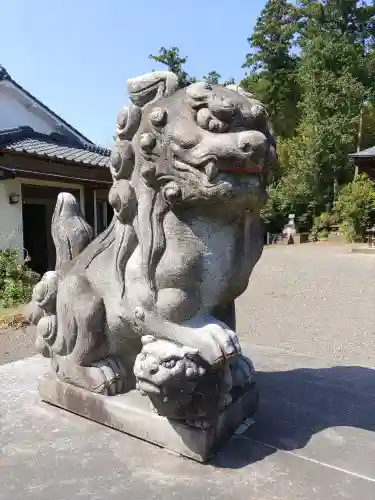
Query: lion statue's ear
(152, 86)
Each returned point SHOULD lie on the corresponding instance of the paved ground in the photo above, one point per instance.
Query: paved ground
(314, 439)
(317, 300)
(16, 344)
(308, 322)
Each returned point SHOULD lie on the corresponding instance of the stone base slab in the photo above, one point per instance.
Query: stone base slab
(132, 414)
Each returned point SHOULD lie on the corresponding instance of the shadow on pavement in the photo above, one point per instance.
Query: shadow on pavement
(296, 404)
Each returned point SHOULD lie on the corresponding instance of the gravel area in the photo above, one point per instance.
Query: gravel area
(313, 299)
(16, 344)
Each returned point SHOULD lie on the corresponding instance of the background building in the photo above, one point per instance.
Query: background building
(40, 156)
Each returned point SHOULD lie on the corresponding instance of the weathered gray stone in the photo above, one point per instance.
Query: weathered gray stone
(149, 304)
(134, 415)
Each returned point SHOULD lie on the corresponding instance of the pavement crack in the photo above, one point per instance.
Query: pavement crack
(308, 459)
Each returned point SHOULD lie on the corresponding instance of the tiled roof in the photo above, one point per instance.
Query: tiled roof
(366, 153)
(54, 146)
(4, 75)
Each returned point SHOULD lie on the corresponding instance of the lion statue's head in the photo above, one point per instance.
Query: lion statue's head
(201, 145)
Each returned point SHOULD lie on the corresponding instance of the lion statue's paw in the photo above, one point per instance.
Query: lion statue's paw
(112, 375)
(243, 371)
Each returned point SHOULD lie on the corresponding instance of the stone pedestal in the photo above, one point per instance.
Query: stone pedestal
(132, 413)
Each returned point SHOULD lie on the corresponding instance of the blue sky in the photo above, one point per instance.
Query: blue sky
(76, 55)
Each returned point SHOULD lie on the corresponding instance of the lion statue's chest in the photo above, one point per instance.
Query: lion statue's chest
(196, 265)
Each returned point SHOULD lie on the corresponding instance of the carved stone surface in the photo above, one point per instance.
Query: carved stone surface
(131, 414)
(150, 302)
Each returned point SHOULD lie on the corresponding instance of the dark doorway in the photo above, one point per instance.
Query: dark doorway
(35, 236)
(38, 206)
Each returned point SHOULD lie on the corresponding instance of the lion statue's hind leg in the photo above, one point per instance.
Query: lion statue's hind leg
(69, 314)
(80, 354)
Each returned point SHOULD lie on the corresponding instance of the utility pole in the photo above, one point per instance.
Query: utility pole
(360, 127)
(364, 103)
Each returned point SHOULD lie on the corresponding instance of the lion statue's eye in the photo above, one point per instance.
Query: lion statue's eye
(169, 363)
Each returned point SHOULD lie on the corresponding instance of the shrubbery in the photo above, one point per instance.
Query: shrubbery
(323, 225)
(354, 205)
(16, 279)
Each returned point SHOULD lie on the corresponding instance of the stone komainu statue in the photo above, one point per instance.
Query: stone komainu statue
(149, 303)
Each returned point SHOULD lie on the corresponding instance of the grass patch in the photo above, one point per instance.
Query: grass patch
(13, 317)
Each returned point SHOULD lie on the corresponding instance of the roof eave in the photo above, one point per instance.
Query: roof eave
(21, 89)
(55, 159)
(359, 156)
(81, 173)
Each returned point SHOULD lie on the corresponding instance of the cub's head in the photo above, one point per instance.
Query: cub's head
(166, 369)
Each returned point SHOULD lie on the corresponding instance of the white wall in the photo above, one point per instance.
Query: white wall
(11, 233)
(13, 113)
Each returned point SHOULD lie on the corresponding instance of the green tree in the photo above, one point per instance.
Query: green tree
(212, 77)
(272, 65)
(230, 81)
(174, 61)
(171, 58)
(367, 137)
(334, 77)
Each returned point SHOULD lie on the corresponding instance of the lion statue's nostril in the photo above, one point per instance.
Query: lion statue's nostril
(245, 143)
(246, 147)
(153, 368)
(253, 143)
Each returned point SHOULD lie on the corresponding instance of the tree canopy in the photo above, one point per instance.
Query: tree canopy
(171, 58)
(312, 63)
